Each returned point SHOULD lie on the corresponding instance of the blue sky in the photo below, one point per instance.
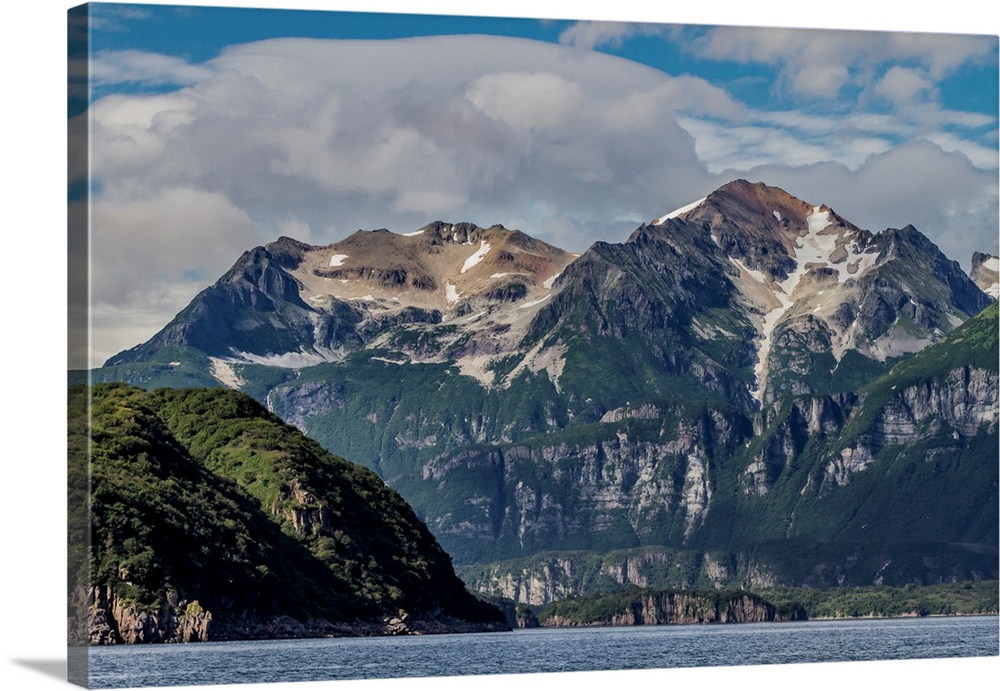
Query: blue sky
(197, 34)
(240, 125)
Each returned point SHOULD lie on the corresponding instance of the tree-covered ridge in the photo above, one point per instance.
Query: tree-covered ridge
(202, 495)
(642, 605)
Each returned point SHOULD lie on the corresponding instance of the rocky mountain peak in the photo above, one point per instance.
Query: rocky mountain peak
(810, 281)
(287, 251)
(986, 273)
(462, 233)
(766, 228)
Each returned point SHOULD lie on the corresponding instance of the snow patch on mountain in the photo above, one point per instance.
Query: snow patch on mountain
(534, 302)
(224, 373)
(451, 293)
(811, 250)
(677, 212)
(338, 259)
(709, 331)
(484, 248)
(293, 360)
(986, 274)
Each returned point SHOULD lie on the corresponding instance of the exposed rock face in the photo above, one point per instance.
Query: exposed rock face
(941, 422)
(802, 420)
(541, 580)
(986, 273)
(655, 608)
(177, 621)
(113, 622)
(964, 403)
(289, 304)
(638, 481)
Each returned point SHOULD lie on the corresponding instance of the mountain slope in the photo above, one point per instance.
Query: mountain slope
(894, 484)
(819, 290)
(747, 296)
(213, 519)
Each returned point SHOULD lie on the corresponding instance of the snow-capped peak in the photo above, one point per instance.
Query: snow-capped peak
(677, 212)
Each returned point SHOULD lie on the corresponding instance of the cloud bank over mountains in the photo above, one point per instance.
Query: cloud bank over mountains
(316, 138)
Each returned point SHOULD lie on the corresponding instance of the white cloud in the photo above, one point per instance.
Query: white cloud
(980, 156)
(590, 35)
(797, 137)
(386, 133)
(539, 99)
(820, 64)
(150, 256)
(149, 69)
(903, 86)
(684, 94)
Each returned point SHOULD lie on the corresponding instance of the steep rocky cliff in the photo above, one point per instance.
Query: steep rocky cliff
(632, 608)
(114, 621)
(894, 483)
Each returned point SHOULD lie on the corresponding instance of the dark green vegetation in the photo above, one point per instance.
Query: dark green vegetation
(202, 495)
(633, 605)
(967, 597)
(173, 366)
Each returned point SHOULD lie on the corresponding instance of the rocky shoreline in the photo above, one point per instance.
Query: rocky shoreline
(112, 622)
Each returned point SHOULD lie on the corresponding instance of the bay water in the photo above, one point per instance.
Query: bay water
(543, 650)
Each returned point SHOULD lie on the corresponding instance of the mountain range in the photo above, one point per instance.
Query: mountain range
(748, 390)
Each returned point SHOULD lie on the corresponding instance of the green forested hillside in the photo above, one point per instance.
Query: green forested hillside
(202, 495)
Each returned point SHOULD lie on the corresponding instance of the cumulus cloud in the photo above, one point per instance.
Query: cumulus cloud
(904, 86)
(151, 255)
(540, 99)
(388, 133)
(821, 63)
(179, 232)
(147, 69)
(590, 35)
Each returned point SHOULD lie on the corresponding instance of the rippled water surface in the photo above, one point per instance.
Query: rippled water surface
(542, 650)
